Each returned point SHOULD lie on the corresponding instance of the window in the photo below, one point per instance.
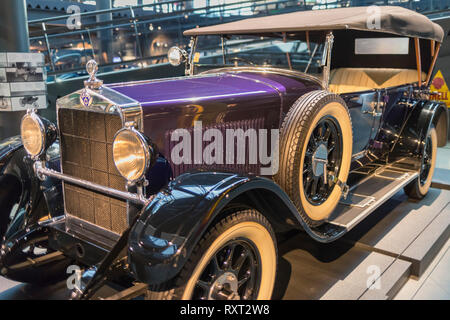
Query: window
(382, 46)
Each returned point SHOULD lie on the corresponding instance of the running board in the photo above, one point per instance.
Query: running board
(364, 198)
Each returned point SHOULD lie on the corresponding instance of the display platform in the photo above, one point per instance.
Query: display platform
(397, 241)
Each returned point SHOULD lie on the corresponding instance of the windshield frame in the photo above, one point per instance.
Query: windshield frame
(325, 60)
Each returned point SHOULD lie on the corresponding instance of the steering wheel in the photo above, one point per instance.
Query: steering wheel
(236, 60)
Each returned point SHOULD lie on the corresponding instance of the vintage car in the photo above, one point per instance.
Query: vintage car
(181, 188)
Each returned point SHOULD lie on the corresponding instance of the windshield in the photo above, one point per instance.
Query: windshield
(215, 51)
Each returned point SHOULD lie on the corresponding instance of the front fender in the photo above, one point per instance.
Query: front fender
(7, 149)
(168, 229)
(32, 194)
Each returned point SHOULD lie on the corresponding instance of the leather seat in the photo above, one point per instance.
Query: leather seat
(345, 80)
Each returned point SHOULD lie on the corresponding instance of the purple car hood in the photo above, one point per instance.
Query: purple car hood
(154, 94)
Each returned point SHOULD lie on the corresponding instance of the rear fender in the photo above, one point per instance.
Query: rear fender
(411, 141)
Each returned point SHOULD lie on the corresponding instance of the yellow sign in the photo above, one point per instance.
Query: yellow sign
(439, 89)
(196, 57)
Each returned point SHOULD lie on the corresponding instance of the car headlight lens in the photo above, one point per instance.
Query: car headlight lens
(32, 131)
(131, 154)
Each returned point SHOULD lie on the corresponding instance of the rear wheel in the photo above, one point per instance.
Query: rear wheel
(418, 188)
(235, 260)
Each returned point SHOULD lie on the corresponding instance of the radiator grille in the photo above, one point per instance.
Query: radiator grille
(86, 153)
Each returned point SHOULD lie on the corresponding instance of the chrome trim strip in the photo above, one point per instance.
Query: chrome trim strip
(135, 198)
(131, 110)
(359, 155)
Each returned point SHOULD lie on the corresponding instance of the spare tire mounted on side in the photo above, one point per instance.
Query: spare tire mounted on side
(315, 154)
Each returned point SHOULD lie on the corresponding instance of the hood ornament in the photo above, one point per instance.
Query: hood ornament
(92, 82)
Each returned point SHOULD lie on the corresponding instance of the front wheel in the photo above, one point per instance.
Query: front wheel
(418, 188)
(235, 260)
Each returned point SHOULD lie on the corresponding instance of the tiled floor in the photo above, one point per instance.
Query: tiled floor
(434, 284)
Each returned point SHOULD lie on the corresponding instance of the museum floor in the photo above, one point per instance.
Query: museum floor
(435, 282)
(403, 246)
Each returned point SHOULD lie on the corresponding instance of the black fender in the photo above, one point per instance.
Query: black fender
(36, 200)
(7, 148)
(20, 262)
(168, 229)
(423, 115)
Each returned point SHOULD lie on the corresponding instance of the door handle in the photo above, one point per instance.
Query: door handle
(373, 113)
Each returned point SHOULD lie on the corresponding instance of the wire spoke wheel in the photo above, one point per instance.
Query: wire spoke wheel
(232, 273)
(322, 160)
(426, 161)
(419, 188)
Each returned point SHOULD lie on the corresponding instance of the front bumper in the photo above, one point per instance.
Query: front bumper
(42, 172)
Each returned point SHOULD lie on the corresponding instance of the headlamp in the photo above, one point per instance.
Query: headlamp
(37, 134)
(131, 154)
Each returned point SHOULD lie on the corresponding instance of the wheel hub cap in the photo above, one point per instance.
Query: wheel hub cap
(225, 287)
(319, 160)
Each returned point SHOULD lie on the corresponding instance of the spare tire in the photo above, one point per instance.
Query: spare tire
(315, 154)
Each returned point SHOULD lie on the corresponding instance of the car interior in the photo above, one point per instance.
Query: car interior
(346, 80)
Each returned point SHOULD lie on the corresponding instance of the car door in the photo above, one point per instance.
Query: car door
(395, 112)
(365, 113)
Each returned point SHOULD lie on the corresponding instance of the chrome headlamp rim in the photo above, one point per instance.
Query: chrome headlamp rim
(31, 113)
(145, 147)
(182, 54)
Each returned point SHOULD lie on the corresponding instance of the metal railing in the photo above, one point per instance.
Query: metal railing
(136, 36)
(66, 48)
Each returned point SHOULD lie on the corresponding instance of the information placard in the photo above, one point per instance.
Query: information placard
(22, 81)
